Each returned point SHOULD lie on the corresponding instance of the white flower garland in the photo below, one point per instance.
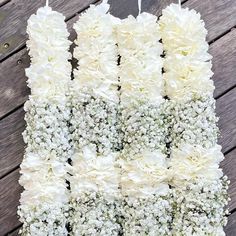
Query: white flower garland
(44, 202)
(94, 92)
(140, 164)
(145, 209)
(199, 190)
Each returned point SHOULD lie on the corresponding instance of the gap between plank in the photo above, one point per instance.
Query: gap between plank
(221, 35)
(9, 172)
(226, 91)
(12, 230)
(4, 3)
(11, 111)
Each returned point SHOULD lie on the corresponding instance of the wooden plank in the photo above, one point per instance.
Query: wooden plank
(229, 166)
(219, 15)
(9, 200)
(224, 61)
(230, 228)
(14, 16)
(13, 89)
(11, 141)
(225, 109)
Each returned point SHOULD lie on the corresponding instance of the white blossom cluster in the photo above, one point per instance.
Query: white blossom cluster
(94, 177)
(198, 208)
(147, 216)
(95, 122)
(198, 186)
(143, 127)
(48, 46)
(44, 201)
(192, 121)
(47, 127)
(146, 209)
(95, 214)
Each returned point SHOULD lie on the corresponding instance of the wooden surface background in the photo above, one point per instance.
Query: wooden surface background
(220, 19)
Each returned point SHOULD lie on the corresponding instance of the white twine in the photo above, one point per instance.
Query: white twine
(47, 3)
(180, 3)
(139, 6)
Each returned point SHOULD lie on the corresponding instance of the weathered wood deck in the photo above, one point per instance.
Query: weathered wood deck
(220, 19)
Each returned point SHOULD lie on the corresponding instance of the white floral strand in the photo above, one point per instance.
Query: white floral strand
(44, 202)
(145, 207)
(94, 99)
(199, 190)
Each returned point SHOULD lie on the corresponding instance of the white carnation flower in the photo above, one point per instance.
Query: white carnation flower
(145, 175)
(48, 36)
(189, 162)
(185, 76)
(48, 80)
(183, 32)
(92, 172)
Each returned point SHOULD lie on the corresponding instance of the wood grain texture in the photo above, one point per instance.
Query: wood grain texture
(230, 228)
(14, 16)
(229, 166)
(9, 198)
(226, 109)
(13, 89)
(11, 141)
(219, 15)
(224, 62)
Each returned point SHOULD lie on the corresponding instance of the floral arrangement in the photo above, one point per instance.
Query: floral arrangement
(44, 202)
(129, 145)
(198, 186)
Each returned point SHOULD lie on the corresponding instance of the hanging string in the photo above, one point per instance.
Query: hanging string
(180, 3)
(46, 3)
(139, 6)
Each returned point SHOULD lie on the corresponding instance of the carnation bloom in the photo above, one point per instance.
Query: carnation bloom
(189, 162)
(94, 173)
(185, 77)
(145, 175)
(183, 32)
